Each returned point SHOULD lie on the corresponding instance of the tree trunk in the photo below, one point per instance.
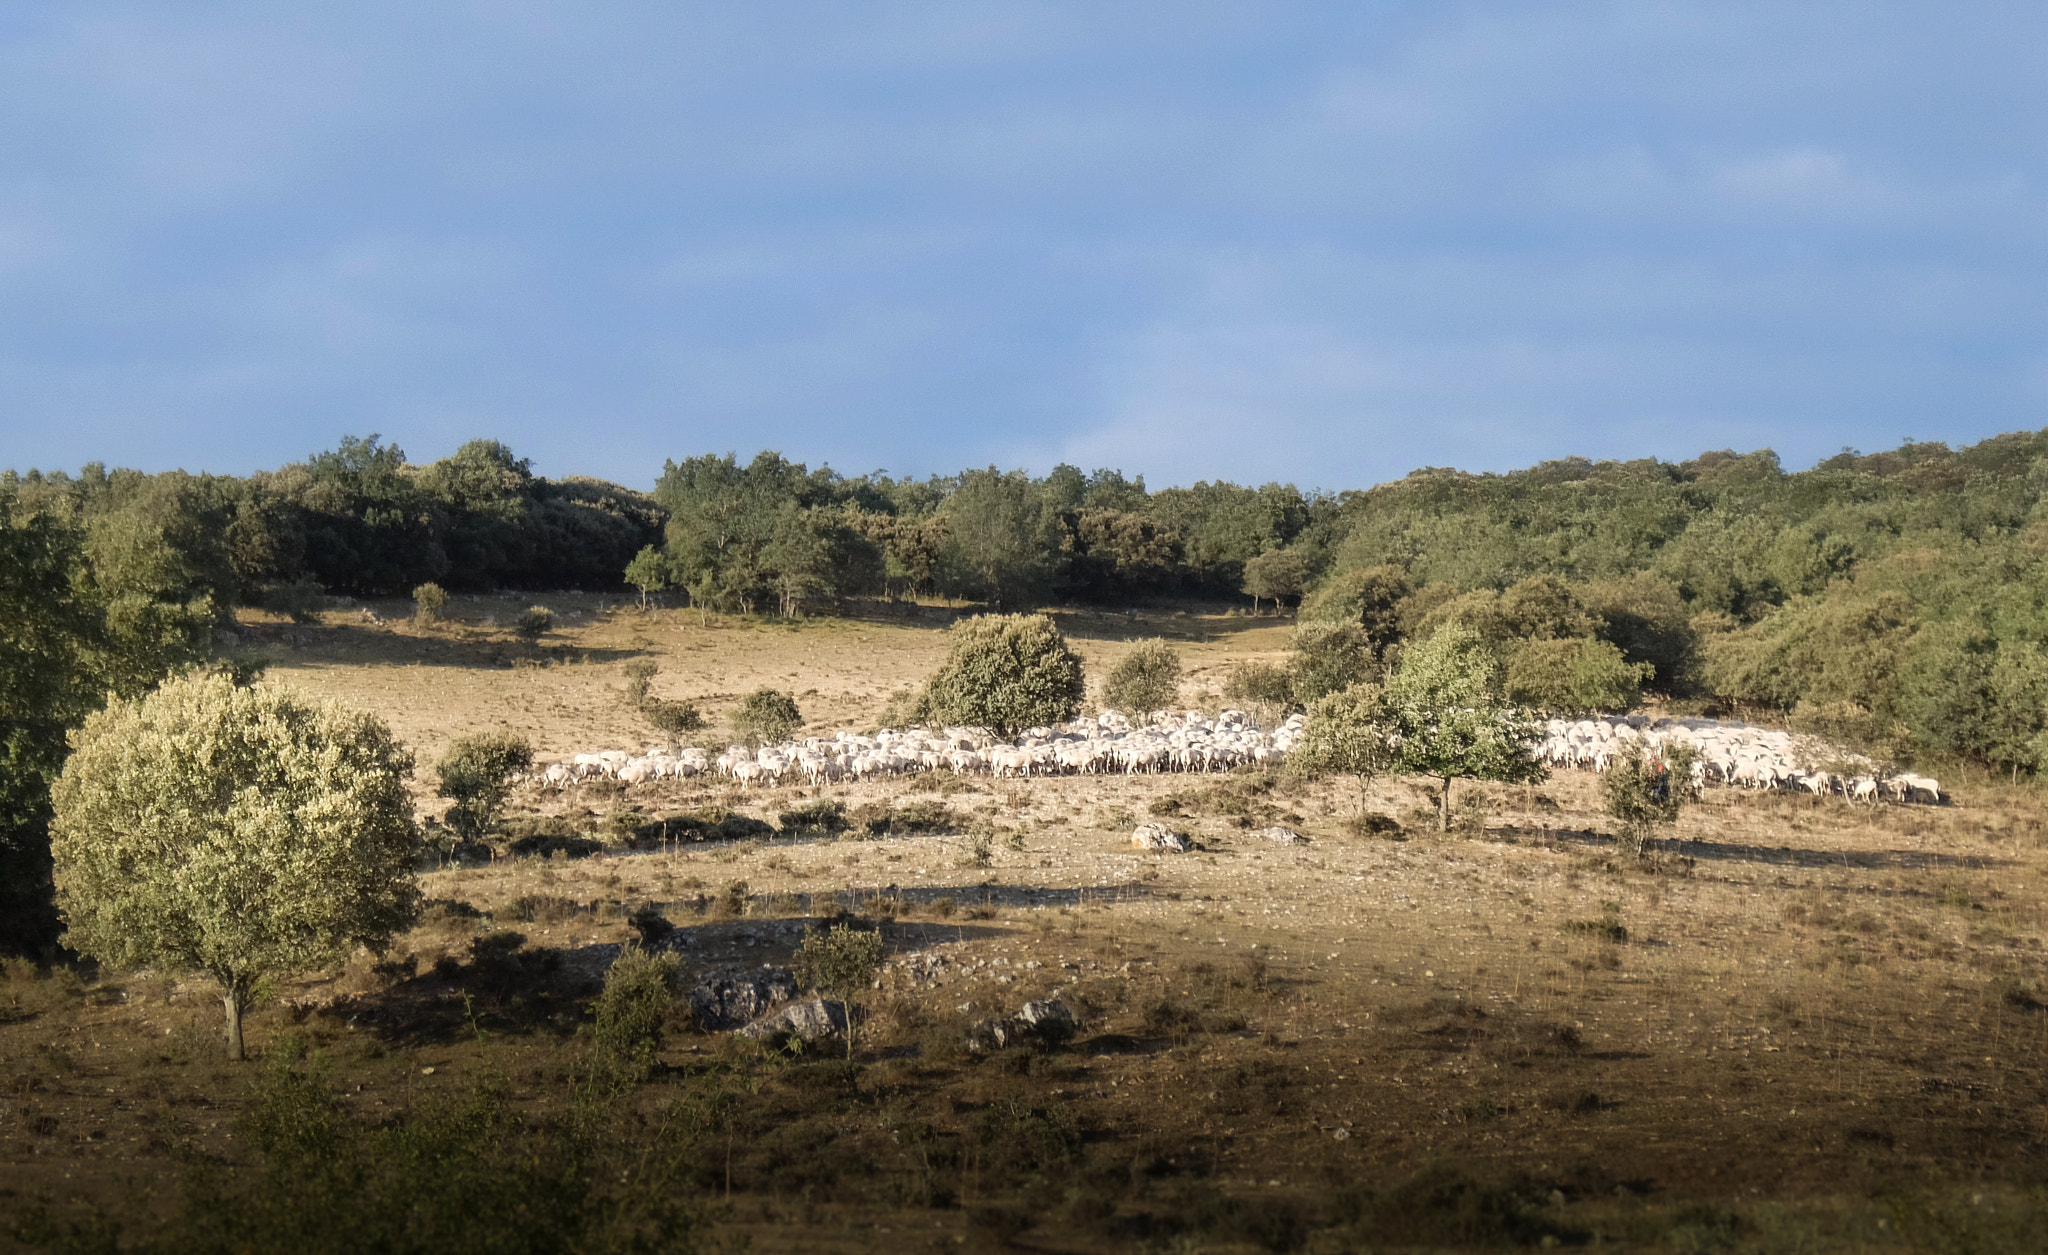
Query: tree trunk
(232, 1000)
(1444, 807)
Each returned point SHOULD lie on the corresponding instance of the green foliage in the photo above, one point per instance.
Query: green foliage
(739, 535)
(1143, 681)
(1574, 675)
(649, 571)
(1327, 658)
(534, 622)
(476, 773)
(1002, 539)
(1006, 673)
(1347, 733)
(1259, 682)
(1275, 574)
(841, 961)
(631, 1013)
(673, 717)
(1369, 597)
(235, 831)
(428, 600)
(1448, 710)
(766, 716)
(1644, 791)
(301, 600)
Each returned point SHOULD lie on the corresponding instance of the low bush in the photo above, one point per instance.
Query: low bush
(631, 1014)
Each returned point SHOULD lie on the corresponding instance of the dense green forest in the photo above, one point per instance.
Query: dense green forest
(1893, 601)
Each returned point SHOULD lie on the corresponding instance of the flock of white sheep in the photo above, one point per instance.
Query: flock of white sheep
(1094, 746)
(1728, 752)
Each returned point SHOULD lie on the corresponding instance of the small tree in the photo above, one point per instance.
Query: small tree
(1348, 733)
(476, 772)
(428, 600)
(650, 571)
(236, 831)
(1645, 791)
(1451, 720)
(840, 961)
(1146, 680)
(766, 716)
(639, 991)
(1274, 574)
(640, 673)
(534, 622)
(1328, 658)
(1006, 673)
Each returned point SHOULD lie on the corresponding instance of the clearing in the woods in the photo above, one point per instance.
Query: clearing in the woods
(1802, 1024)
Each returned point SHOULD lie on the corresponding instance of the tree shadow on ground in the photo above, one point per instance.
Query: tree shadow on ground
(1776, 856)
(289, 645)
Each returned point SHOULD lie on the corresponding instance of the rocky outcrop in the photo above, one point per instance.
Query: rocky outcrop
(809, 1022)
(728, 997)
(1045, 1024)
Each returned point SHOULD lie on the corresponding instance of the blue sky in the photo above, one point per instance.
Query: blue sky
(1325, 243)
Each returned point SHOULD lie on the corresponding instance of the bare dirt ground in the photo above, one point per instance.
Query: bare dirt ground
(1802, 1025)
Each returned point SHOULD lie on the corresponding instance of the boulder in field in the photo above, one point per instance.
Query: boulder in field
(1161, 837)
(809, 1022)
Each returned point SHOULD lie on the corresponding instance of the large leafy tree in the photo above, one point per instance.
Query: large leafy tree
(232, 830)
(1450, 718)
(1002, 539)
(1006, 673)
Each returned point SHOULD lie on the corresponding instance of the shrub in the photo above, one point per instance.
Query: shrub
(534, 622)
(1643, 792)
(640, 673)
(301, 600)
(1259, 682)
(1146, 680)
(766, 716)
(639, 992)
(822, 815)
(428, 600)
(476, 774)
(1328, 658)
(1006, 673)
(841, 961)
(675, 718)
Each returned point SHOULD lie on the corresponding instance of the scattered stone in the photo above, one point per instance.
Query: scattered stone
(809, 1022)
(729, 997)
(1161, 837)
(1280, 836)
(1046, 1023)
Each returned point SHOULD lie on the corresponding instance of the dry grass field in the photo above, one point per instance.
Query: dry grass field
(1802, 1025)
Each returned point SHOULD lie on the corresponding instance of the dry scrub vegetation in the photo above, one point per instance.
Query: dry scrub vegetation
(1800, 1025)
